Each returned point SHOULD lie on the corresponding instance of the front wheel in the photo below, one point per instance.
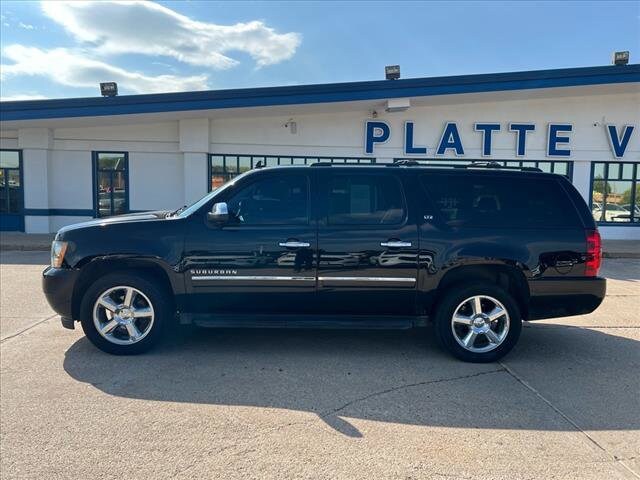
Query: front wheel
(478, 323)
(124, 314)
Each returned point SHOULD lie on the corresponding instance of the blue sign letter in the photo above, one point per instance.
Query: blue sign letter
(375, 132)
(521, 137)
(486, 129)
(450, 139)
(409, 148)
(555, 139)
(619, 145)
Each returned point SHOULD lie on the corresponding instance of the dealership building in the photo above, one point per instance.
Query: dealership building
(68, 160)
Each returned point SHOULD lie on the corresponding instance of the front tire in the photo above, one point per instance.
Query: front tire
(124, 313)
(478, 322)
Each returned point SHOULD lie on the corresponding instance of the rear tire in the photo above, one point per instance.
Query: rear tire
(477, 322)
(125, 313)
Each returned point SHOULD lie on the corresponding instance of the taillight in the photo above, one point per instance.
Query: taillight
(594, 253)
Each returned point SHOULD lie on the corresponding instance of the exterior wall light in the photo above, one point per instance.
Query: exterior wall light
(392, 72)
(109, 89)
(621, 58)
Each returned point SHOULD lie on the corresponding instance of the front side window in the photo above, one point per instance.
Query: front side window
(615, 192)
(500, 201)
(111, 188)
(281, 200)
(365, 200)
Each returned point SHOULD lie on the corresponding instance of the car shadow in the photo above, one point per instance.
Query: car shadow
(388, 376)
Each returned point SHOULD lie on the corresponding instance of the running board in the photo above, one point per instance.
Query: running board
(304, 321)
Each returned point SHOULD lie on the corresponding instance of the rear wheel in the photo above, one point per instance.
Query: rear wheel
(124, 314)
(478, 322)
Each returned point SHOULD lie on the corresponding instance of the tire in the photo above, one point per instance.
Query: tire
(485, 346)
(128, 328)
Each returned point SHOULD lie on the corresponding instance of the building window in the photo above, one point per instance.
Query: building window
(10, 182)
(111, 186)
(561, 168)
(223, 168)
(615, 192)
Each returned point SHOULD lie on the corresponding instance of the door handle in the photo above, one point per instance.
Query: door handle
(294, 244)
(395, 244)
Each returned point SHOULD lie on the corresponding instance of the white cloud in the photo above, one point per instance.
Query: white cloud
(151, 29)
(75, 69)
(26, 26)
(22, 96)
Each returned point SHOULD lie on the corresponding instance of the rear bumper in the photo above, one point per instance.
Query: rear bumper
(565, 297)
(58, 285)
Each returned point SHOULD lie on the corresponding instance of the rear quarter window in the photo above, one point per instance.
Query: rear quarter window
(503, 201)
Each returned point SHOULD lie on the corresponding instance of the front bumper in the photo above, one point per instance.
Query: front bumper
(58, 285)
(565, 297)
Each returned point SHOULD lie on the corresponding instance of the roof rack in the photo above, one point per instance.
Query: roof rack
(494, 164)
(415, 163)
(486, 164)
(322, 164)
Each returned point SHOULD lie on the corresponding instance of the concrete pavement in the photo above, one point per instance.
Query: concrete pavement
(318, 404)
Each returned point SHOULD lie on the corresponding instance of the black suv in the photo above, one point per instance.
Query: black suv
(475, 250)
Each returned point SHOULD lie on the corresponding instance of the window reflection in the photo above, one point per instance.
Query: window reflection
(614, 200)
(111, 183)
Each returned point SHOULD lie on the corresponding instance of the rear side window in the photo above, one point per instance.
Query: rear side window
(500, 201)
(365, 200)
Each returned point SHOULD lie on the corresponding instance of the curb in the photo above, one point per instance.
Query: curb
(621, 255)
(25, 248)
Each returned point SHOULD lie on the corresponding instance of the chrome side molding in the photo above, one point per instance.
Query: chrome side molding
(369, 279)
(253, 277)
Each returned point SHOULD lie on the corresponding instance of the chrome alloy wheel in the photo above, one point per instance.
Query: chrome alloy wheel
(480, 324)
(123, 315)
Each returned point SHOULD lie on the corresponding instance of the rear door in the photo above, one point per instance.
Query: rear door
(262, 260)
(367, 243)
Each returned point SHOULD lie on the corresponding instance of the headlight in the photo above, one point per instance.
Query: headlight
(58, 249)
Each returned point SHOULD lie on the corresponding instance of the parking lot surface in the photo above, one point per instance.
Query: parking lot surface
(318, 404)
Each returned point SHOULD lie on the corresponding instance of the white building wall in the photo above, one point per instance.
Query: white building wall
(156, 181)
(343, 133)
(68, 172)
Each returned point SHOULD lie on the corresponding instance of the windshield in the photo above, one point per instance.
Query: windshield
(194, 207)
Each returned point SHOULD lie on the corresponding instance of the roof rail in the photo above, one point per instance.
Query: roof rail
(403, 162)
(491, 164)
(494, 164)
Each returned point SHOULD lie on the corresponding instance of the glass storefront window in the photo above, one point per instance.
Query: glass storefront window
(111, 189)
(9, 159)
(10, 182)
(615, 192)
(223, 168)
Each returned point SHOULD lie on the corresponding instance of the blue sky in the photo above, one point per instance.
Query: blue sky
(52, 50)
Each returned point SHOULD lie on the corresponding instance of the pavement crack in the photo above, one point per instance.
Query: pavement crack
(405, 386)
(566, 417)
(33, 325)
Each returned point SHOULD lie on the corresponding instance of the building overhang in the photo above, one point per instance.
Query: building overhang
(360, 93)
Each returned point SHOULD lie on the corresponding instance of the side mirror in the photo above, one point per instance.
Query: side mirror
(219, 213)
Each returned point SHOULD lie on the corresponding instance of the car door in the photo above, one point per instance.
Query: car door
(262, 259)
(367, 243)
